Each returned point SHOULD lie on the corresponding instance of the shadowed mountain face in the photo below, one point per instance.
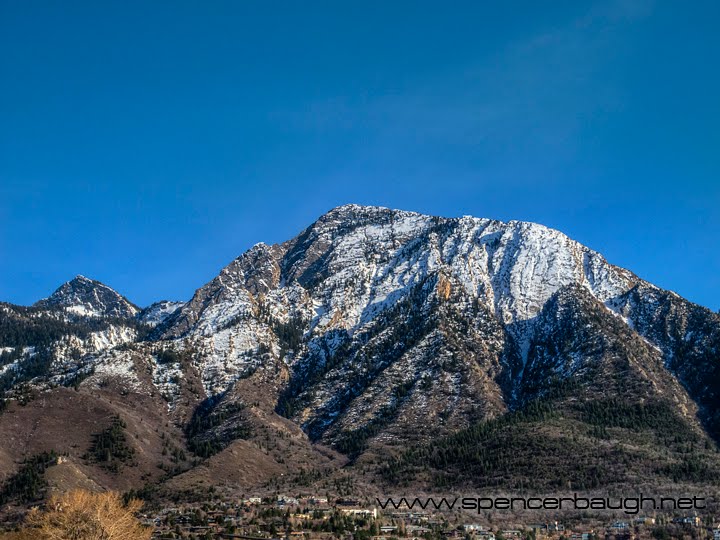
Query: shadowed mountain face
(375, 330)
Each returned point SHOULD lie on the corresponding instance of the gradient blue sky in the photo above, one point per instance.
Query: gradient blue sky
(147, 144)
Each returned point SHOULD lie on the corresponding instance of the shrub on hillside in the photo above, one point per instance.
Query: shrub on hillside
(82, 515)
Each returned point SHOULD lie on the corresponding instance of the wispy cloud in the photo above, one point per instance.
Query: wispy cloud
(540, 91)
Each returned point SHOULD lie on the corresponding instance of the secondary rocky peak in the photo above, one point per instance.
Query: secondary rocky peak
(84, 296)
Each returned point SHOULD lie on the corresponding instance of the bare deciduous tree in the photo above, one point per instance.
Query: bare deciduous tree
(82, 515)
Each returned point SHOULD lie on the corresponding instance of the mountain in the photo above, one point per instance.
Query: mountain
(390, 346)
(84, 296)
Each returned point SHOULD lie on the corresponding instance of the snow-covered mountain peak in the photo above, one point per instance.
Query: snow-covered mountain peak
(514, 267)
(346, 218)
(355, 261)
(88, 297)
(355, 264)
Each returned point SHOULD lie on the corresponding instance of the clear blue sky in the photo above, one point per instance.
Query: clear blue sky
(147, 144)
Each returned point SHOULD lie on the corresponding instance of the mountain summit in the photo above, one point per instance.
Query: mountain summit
(84, 296)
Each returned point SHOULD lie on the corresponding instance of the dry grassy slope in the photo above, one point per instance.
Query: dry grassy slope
(277, 452)
(64, 420)
(68, 475)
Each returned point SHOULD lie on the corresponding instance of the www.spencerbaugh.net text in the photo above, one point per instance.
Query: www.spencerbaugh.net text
(629, 505)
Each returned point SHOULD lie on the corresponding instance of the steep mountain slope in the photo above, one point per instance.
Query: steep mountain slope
(688, 336)
(158, 312)
(41, 344)
(598, 407)
(376, 329)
